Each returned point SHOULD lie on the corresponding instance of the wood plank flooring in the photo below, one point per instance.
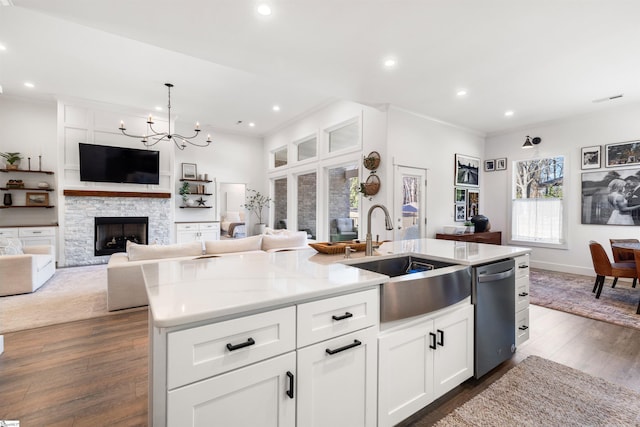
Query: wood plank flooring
(95, 373)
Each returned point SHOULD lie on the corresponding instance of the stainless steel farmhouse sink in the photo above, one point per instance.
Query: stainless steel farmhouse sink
(418, 285)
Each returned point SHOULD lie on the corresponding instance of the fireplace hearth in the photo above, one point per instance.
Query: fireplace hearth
(112, 233)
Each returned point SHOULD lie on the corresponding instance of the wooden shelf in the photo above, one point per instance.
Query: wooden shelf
(25, 170)
(195, 180)
(23, 206)
(196, 207)
(199, 194)
(97, 193)
(490, 237)
(26, 188)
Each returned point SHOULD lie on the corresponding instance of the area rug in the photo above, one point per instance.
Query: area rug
(73, 293)
(539, 392)
(571, 293)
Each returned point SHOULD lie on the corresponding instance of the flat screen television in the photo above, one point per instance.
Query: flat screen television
(102, 163)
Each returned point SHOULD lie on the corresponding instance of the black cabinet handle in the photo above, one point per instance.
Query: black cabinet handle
(523, 327)
(440, 338)
(346, 347)
(523, 294)
(291, 385)
(346, 315)
(249, 342)
(523, 266)
(432, 339)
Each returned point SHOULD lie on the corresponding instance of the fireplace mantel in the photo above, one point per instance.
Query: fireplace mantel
(96, 193)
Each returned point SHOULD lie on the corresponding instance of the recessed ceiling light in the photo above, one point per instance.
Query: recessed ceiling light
(3, 47)
(276, 108)
(158, 108)
(390, 63)
(264, 10)
(252, 124)
(29, 85)
(508, 113)
(461, 92)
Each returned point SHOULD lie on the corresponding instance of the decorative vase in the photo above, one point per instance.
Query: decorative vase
(259, 228)
(13, 167)
(7, 199)
(43, 184)
(190, 202)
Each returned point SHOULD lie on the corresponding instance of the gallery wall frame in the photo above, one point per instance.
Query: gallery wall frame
(622, 154)
(596, 205)
(36, 199)
(473, 203)
(189, 171)
(467, 170)
(489, 165)
(591, 157)
(501, 164)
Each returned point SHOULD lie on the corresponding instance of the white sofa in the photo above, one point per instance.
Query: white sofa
(26, 272)
(125, 283)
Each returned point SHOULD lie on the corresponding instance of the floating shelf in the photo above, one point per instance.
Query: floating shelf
(23, 206)
(26, 188)
(195, 180)
(196, 207)
(25, 170)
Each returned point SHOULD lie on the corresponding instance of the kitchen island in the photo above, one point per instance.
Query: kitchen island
(276, 332)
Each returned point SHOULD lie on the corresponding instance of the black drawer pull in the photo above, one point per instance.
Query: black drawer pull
(432, 341)
(440, 338)
(346, 347)
(523, 266)
(291, 385)
(523, 294)
(523, 327)
(249, 342)
(346, 315)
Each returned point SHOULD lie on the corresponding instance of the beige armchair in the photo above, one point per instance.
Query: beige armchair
(20, 274)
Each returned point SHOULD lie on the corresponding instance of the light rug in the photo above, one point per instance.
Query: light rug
(539, 392)
(73, 293)
(571, 293)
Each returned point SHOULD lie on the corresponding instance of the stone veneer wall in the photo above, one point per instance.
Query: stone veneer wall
(79, 214)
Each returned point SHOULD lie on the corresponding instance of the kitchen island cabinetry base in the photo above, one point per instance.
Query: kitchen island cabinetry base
(422, 360)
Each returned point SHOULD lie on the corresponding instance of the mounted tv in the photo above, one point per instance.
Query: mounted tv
(102, 163)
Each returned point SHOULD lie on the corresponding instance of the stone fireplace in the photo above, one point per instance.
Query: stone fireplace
(112, 233)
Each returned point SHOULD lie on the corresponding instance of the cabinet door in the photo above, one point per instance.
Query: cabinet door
(522, 326)
(405, 373)
(338, 389)
(256, 395)
(453, 359)
(522, 293)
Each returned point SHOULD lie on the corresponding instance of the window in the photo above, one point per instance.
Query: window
(307, 196)
(538, 214)
(307, 148)
(280, 157)
(280, 203)
(345, 136)
(343, 199)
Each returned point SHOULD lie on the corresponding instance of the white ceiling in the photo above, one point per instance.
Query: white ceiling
(543, 59)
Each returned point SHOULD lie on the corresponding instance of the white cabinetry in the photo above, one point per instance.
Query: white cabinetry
(32, 236)
(197, 231)
(248, 371)
(522, 299)
(422, 359)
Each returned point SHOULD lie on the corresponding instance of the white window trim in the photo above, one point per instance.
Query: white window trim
(325, 138)
(297, 143)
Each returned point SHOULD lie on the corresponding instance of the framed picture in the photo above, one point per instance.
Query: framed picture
(501, 164)
(622, 154)
(460, 195)
(467, 171)
(460, 212)
(37, 199)
(605, 192)
(591, 157)
(189, 171)
(489, 165)
(473, 203)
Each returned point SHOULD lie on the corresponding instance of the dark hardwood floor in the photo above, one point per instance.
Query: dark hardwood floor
(95, 373)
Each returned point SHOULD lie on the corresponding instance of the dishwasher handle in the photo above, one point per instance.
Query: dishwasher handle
(496, 276)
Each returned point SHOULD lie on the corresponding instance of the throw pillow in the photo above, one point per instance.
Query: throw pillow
(10, 246)
(245, 244)
(287, 240)
(138, 252)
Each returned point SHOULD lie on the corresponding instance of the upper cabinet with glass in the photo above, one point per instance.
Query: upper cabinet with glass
(307, 148)
(344, 136)
(280, 157)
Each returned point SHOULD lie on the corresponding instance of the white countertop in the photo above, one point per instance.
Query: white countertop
(182, 292)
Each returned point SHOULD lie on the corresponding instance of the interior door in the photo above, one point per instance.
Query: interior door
(410, 203)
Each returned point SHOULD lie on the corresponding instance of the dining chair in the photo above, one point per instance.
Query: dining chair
(621, 255)
(636, 256)
(603, 267)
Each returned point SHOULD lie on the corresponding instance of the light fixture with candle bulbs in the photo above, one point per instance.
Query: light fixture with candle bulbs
(529, 143)
(154, 137)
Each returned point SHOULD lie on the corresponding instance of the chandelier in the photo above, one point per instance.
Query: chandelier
(154, 137)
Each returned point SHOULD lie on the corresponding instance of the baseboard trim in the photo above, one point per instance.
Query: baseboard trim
(563, 268)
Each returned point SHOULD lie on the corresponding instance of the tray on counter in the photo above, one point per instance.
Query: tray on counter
(332, 248)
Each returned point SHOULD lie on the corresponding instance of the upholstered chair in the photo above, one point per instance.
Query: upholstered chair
(636, 256)
(603, 267)
(620, 255)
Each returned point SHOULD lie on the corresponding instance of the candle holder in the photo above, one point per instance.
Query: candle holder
(40, 162)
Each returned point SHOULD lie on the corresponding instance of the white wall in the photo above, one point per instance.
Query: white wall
(29, 128)
(566, 138)
(421, 142)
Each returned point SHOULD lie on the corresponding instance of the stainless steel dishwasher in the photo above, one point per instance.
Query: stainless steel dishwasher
(493, 294)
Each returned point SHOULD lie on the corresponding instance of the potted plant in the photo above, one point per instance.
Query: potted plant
(256, 202)
(12, 159)
(184, 191)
